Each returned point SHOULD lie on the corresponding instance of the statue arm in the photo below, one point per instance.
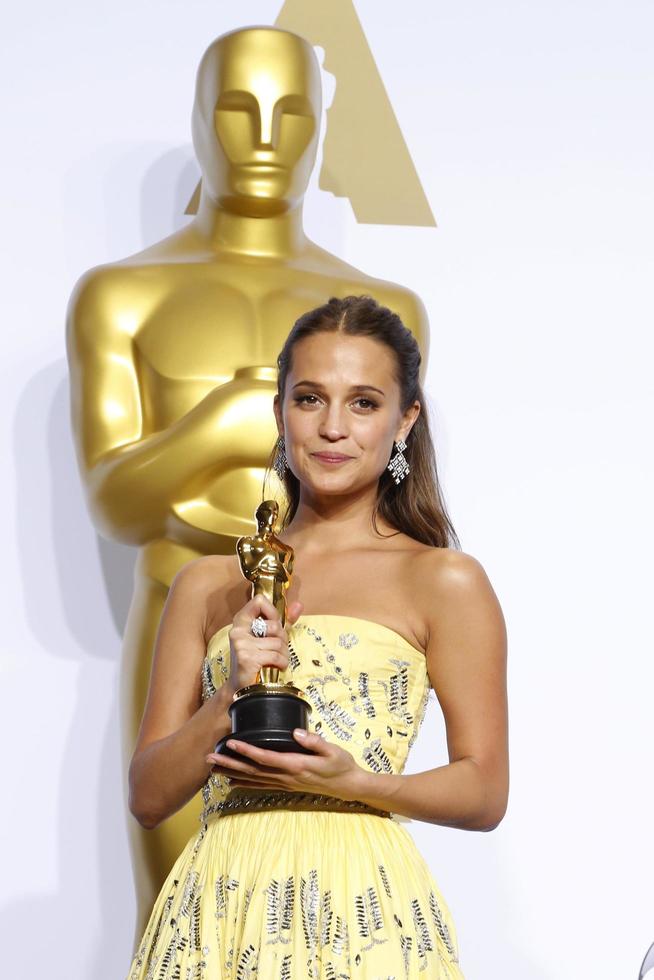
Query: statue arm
(132, 476)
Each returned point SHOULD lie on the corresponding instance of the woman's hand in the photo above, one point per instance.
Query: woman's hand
(331, 770)
(249, 653)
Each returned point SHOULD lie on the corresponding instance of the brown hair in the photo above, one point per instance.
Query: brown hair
(415, 506)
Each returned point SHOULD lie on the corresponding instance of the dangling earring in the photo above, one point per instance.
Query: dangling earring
(398, 466)
(280, 464)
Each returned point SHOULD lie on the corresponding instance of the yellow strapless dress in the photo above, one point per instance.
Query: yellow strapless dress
(274, 887)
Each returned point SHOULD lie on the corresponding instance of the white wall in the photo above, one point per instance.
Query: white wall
(531, 127)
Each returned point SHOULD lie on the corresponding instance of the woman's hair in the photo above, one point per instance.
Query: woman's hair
(415, 506)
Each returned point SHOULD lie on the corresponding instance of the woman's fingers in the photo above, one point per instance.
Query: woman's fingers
(257, 606)
(231, 766)
(293, 612)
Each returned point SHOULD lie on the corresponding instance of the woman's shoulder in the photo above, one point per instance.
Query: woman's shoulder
(446, 572)
(210, 587)
(208, 573)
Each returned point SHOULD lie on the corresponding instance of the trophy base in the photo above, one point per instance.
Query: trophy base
(274, 741)
(265, 715)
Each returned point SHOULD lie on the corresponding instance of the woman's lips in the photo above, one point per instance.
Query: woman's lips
(331, 457)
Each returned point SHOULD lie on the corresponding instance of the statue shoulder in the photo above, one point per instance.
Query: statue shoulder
(110, 299)
(346, 279)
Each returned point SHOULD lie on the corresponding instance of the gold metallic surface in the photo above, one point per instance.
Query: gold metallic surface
(268, 563)
(172, 353)
(365, 156)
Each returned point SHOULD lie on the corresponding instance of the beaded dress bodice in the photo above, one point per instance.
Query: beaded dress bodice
(367, 685)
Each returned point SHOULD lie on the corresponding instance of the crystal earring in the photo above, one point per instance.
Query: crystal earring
(280, 464)
(398, 466)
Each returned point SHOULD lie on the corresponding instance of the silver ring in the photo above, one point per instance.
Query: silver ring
(259, 627)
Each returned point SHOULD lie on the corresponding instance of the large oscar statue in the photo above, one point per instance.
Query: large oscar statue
(172, 352)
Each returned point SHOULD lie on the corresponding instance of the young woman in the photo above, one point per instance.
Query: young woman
(300, 868)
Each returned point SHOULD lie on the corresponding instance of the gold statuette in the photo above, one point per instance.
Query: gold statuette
(266, 712)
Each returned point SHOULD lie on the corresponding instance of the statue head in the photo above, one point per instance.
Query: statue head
(266, 515)
(256, 119)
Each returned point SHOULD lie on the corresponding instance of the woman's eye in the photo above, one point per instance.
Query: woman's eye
(365, 404)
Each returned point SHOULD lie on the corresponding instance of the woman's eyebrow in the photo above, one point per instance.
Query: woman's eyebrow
(316, 384)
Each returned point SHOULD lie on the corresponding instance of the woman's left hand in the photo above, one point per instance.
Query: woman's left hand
(330, 770)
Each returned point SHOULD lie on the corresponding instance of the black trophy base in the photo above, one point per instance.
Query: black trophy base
(265, 715)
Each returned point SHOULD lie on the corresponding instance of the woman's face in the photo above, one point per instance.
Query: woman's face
(341, 412)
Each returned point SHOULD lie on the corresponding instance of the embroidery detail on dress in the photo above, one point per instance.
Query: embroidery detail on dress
(364, 691)
(369, 917)
(441, 927)
(247, 964)
(348, 640)
(420, 716)
(332, 713)
(384, 878)
(224, 885)
(424, 944)
(208, 686)
(279, 910)
(397, 692)
(375, 758)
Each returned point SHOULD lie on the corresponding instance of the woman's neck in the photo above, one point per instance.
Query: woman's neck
(330, 524)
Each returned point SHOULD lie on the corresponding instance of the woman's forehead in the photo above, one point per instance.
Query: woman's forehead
(331, 355)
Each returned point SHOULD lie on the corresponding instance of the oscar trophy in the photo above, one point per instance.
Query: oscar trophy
(266, 712)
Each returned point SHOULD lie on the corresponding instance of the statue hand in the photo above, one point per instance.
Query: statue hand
(224, 410)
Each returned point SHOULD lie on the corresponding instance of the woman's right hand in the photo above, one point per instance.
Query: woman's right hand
(249, 653)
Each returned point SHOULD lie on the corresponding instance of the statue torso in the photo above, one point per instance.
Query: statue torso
(199, 321)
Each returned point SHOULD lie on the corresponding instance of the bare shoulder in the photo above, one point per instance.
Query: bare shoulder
(454, 570)
(448, 584)
(203, 576)
(213, 587)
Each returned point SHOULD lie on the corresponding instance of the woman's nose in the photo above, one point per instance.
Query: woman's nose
(333, 424)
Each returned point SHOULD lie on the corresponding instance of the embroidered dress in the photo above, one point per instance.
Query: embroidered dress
(296, 886)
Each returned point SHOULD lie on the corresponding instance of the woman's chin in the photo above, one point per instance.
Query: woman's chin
(333, 485)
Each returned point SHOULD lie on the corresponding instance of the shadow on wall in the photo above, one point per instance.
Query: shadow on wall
(77, 589)
(76, 596)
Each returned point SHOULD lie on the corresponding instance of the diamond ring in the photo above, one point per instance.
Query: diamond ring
(259, 627)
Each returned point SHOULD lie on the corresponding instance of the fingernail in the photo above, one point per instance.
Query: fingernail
(300, 732)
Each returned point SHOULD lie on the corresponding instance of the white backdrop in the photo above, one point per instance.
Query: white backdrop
(531, 128)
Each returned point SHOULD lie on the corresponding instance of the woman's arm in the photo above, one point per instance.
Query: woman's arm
(177, 730)
(466, 662)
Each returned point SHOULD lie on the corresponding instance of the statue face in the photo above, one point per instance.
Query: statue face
(266, 515)
(256, 120)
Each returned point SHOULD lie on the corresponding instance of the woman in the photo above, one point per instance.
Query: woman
(302, 870)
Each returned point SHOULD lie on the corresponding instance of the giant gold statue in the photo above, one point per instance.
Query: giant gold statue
(172, 352)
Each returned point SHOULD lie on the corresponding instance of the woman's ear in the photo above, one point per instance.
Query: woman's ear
(277, 409)
(408, 421)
